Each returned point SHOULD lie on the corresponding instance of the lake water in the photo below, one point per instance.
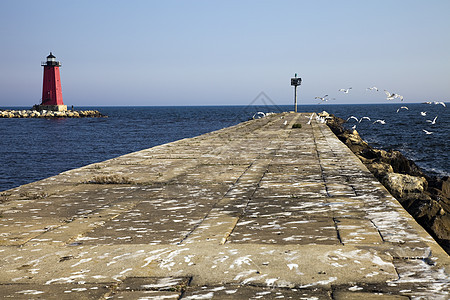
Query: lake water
(33, 149)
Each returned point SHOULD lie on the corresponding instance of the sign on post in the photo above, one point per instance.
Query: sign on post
(295, 82)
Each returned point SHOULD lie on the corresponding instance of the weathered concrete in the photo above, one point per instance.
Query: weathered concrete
(258, 210)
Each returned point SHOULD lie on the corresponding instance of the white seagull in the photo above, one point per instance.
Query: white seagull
(367, 118)
(321, 119)
(353, 117)
(345, 90)
(403, 107)
(380, 121)
(374, 88)
(323, 99)
(434, 121)
(441, 103)
(310, 119)
(427, 132)
(392, 96)
(423, 113)
(259, 115)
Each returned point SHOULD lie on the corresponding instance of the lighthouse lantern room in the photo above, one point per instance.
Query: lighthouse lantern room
(51, 87)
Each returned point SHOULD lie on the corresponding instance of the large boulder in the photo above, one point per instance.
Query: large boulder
(396, 159)
(441, 227)
(353, 140)
(446, 187)
(380, 169)
(400, 185)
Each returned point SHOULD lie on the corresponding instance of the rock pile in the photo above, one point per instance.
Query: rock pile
(50, 114)
(425, 197)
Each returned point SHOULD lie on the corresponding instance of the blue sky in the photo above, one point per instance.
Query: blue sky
(225, 52)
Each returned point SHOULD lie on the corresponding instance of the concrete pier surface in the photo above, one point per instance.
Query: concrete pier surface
(259, 210)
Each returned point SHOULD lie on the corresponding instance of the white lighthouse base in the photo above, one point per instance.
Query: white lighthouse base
(50, 107)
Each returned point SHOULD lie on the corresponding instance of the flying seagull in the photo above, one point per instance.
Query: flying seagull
(392, 96)
(323, 99)
(345, 90)
(403, 107)
(353, 117)
(380, 121)
(427, 132)
(358, 120)
(441, 103)
(374, 88)
(434, 121)
(367, 118)
(310, 119)
(423, 113)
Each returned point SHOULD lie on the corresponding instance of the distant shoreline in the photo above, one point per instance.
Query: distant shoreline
(46, 114)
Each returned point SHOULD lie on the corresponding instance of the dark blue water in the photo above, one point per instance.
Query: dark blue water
(404, 131)
(33, 149)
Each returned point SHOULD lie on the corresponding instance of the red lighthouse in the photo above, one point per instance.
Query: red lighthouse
(51, 88)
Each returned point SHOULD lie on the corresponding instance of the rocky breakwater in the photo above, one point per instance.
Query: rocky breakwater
(425, 197)
(50, 114)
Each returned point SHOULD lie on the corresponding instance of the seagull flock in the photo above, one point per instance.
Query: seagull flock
(318, 119)
(389, 96)
(422, 113)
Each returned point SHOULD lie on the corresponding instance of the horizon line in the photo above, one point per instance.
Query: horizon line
(215, 105)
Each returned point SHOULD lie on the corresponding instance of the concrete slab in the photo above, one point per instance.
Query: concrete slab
(251, 292)
(53, 292)
(357, 231)
(279, 230)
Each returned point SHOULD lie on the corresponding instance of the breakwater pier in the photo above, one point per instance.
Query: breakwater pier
(269, 208)
(49, 114)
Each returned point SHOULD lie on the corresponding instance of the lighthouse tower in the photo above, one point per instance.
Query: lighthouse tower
(51, 88)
